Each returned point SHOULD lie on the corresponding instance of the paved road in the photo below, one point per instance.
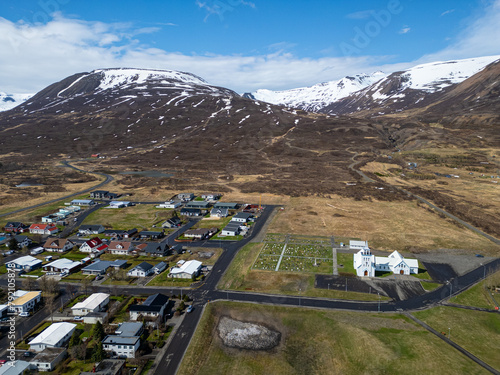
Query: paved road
(66, 163)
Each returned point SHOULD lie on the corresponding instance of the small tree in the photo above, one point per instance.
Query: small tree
(98, 332)
(98, 353)
(28, 283)
(79, 351)
(75, 339)
(182, 306)
(12, 244)
(86, 284)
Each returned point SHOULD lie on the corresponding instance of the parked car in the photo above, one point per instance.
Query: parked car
(190, 308)
(99, 277)
(27, 354)
(78, 319)
(24, 314)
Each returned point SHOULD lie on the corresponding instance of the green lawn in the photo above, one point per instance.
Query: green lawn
(477, 296)
(141, 216)
(476, 331)
(347, 261)
(323, 342)
(429, 286)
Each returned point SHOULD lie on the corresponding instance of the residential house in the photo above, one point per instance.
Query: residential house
(125, 342)
(219, 212)
(173, 222)
(54, 336)
(170, 204)
(211, 196)
(191, 212)
(49, 358)
(44, 229)
(242, 217)
(63, 265)
(231, 229)
(22, 241)
(37, 250)
(103, 194)
(120, 247)
(186, 270)
(25, 263)
(58, 245)
(91, 229)
(82, 202)
(156, 249)
(154, 306)
(200, 233)
(143, 269)
(198, 204)
(228, 205)
(96, 302)
(252, 208)
(151, 235)
(120, 233)
(99, 267)
(17, 367)
(159, 268)
(52, 218)
(15, 227)
(94, 246)
(25, 301)
(185, 197)
(119, 204)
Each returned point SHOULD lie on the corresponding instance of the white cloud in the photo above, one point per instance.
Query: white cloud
(404, 30)
(447, 12)
(361, 15)
(35, 55)
(479, 38)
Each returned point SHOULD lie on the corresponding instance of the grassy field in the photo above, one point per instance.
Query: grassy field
(399, 225)
(141, 216)
(323, 342)
(477, 296)
(476, 331)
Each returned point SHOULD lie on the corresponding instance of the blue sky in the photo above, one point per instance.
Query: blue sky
(240, 44)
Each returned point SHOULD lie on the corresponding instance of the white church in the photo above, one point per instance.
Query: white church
(365, 263)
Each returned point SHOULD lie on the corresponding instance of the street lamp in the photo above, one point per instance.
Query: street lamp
(378, 301)
(449, 333)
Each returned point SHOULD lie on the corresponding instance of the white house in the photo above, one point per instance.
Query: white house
(26, 263)
(121, 346)
(169, 204)
(25, 301)
(45, 229)
(94, 303)
(143, 269)
(16, 367)
(365, 263)
(94, 246)
(358, 245)
(62, 265)
(120, 247)
(242, 217)
(58, 245)
(219, 212)
(54, 336)
(187, 270)
(152, 307)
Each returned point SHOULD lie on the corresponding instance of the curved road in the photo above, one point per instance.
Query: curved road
(66, 163)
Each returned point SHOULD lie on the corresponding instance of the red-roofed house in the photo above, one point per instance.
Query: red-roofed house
(94, 246)
(43, 228)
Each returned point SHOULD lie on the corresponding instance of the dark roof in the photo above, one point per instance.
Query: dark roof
(243, 215)
(152, 303)
(198, 204)
(14, 224)
(150, 233)
(21, 238)
(225, 205)
(154, 247)
(90, 227)
(197, 210)
(145, 266)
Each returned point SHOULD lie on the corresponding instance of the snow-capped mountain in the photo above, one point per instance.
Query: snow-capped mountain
(412, 88)
(9, 101)
(316, 97)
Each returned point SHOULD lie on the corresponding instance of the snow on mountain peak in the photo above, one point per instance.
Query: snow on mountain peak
(126, 76)
(315, 97)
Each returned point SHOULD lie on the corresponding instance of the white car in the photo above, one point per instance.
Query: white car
(24, 314)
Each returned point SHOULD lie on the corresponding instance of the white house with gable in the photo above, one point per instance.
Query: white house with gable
(366, 264)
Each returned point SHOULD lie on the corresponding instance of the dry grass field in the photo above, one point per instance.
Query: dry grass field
(399, 225)
(322, 342)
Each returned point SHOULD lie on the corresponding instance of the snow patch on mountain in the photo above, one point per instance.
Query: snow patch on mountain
(9, 101)
(316, 97)
(113, 78)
